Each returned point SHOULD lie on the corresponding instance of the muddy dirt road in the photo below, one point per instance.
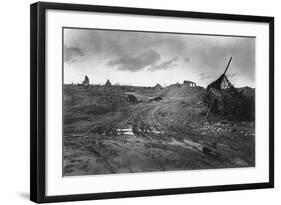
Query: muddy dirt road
(155, 136)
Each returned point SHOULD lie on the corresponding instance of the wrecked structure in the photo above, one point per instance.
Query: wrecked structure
(222, 98)
(108, 83)
(86, 81)
(189, 84)
(158, 86)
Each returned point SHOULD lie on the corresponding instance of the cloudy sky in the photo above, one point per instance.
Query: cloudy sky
(145, 59)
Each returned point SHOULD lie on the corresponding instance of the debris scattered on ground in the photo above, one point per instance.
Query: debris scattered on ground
(124, 129)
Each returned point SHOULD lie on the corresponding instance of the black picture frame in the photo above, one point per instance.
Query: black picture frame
(38, 103)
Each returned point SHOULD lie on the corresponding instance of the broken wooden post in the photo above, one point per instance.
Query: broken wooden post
(227, 65)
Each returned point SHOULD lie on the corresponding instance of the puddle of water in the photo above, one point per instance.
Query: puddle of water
(156, 131)
(175, 142)
(187, 143)
(193, 144)
(129, 131)
(126, 131)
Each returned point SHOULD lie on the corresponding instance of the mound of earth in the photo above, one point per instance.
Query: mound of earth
(82, 96)
(83, 103)
(247, 91)
(183, 91)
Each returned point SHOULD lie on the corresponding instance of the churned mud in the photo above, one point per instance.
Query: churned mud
(152, 135)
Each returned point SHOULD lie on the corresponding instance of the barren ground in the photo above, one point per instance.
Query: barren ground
(169, 134)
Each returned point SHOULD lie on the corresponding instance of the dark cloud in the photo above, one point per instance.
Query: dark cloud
(135, 51)
(106, 44)
(72, 54)
(122, 43)
(135, 63)
(165, 65)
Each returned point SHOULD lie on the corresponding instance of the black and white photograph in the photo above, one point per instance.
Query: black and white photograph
(144, 101)
(130, 101)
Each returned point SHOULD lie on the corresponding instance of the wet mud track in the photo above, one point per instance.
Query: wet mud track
(150, 136)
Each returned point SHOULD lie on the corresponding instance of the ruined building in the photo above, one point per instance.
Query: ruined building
(86, 81)
(108, 83)
(223, 99)
(189, 84)
(158, 86)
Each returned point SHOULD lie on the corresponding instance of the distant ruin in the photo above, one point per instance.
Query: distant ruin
(189, 84)
(158, 86)
(86, 81)
(108, 83)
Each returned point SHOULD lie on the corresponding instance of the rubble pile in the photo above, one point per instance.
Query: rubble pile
(223, 99)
